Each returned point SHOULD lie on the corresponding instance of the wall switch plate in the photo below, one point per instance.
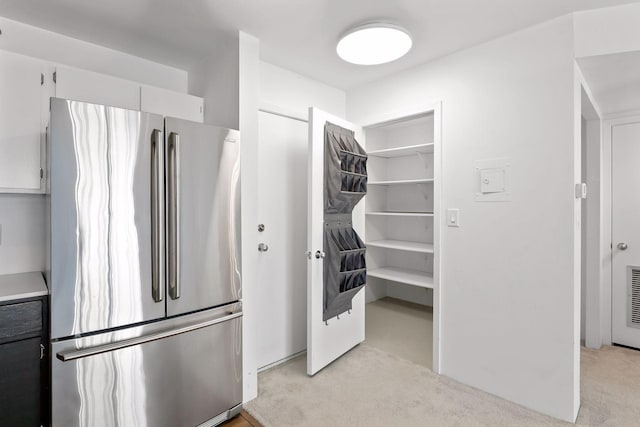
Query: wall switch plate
(453, 217)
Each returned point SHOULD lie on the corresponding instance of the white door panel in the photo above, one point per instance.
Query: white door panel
(282, 208)
(327, 341)
(625, 231)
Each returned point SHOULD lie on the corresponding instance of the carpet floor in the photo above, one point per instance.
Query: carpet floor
(370, 386)
(401, 328)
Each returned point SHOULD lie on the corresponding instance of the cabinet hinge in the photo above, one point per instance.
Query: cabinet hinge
(41, 351)
(55, 77)
(41, 79)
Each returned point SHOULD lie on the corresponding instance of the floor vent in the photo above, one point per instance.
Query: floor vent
(634, 297)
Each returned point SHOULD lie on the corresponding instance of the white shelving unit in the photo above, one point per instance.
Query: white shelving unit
(403, 151)
(403, 181)
(405, 214)
(400, 208)
(404, 276)
(401, 245)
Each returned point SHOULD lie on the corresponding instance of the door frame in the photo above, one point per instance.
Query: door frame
(435, 107)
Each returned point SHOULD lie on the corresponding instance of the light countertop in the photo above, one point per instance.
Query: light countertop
(22, 285)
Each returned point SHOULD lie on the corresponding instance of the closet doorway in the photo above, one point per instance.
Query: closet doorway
(398, 220)
(610, 236)
(281, 294)
(400, 230)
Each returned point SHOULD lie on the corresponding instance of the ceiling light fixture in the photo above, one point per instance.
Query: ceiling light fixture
(374, 43)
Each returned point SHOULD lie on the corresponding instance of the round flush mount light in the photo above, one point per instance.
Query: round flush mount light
(374, 43)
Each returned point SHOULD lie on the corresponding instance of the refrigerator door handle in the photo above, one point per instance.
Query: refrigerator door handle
(157, 216)
(69, 355)
(174, 215)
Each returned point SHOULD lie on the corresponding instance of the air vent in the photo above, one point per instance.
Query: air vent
(634, 297)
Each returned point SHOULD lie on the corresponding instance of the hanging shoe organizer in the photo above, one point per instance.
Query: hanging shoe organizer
(345, 168)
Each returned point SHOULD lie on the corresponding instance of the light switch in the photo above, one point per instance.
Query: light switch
(492, 180)
(453, 217)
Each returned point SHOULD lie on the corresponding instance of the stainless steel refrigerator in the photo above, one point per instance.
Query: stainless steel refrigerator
(144, 269)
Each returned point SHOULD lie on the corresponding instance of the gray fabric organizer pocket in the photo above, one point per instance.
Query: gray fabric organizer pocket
(345, 170)
(345, 272)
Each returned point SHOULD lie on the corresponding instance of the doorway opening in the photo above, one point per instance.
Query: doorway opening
(398, 220)
(400, 230)
(610, 235)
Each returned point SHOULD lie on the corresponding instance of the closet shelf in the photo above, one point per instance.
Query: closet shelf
(403, 182)
(401, 245)
(407, 214)
(403, 151)
(400, 275)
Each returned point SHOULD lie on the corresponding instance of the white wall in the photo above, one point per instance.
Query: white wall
(56, 48)
(22, 236)
(216, 79)
(295, 93)
(508, 282)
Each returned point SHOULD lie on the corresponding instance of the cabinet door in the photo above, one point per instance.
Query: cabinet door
(21, 122)
(20, 399)
(96, 88)
(172, 104)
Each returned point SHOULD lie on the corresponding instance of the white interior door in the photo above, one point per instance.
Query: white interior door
(625, 302)
(327, 341)
(282, 207)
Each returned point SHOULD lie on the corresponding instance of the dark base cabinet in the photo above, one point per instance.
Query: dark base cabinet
(23, 363)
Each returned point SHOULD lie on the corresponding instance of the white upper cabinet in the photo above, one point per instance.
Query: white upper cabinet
(24, 93)
(26, 85)
(96, 88)
(173, 104)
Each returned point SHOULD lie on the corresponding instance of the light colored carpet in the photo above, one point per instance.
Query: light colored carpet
(386, 382)
(370, 387)
(401, 328)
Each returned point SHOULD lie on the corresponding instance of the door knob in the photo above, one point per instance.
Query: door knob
(319, 254)
(622, 246)
(263, 247)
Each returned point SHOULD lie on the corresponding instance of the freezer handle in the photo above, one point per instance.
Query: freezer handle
(157, 286)
(174, 215)
(69, 355)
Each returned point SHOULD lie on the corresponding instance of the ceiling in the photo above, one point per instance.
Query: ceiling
(299, 35)
(614, 81)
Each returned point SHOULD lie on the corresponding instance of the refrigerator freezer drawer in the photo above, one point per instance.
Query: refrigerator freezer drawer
(178, 372)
